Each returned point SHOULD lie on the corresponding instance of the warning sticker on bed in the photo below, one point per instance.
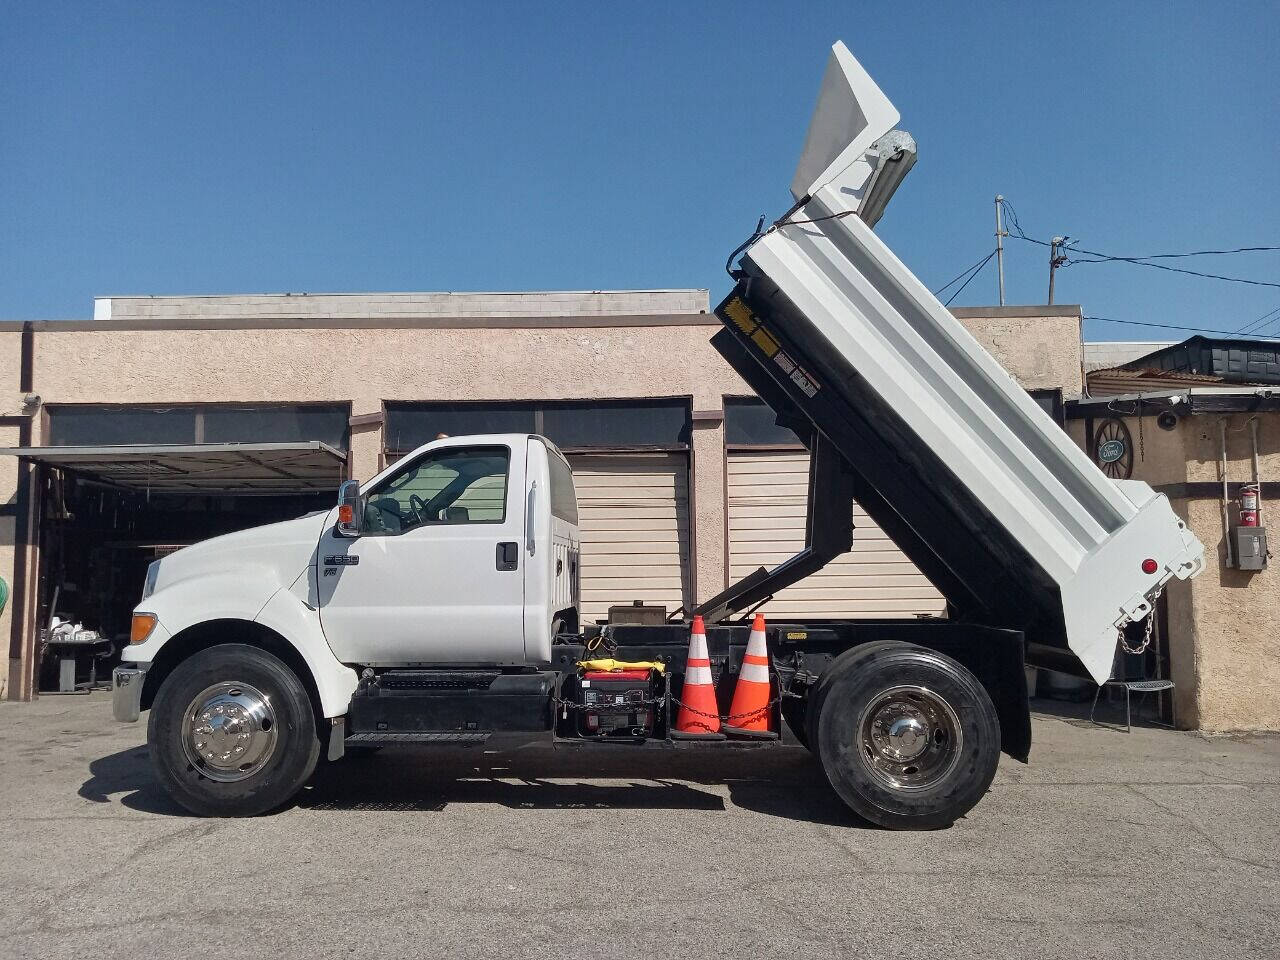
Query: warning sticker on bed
(740, 314)
(797, 374)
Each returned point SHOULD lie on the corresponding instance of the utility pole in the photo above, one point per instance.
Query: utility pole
(1056, 259)
(1000, 235)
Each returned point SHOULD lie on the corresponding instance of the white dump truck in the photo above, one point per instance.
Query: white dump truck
(436, 605)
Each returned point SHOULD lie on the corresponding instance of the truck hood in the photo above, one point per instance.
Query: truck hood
(266, 557)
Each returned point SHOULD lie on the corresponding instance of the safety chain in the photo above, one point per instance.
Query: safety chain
(799, 676)
(1146, 637)
(731, 718)
(567, 705)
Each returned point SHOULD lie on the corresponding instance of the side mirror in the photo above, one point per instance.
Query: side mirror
(350, 509)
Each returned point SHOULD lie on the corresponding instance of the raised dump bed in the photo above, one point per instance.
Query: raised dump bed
(945, 451)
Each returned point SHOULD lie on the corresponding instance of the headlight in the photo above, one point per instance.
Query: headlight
(149, 584)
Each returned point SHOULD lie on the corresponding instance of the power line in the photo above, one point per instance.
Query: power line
(976, 270)
(1103, 258)
(1020, 234)
(1263, 332)
(1252, 328)
(1168, 326)
(1260, 322)
(1171, 256)
(962, 274)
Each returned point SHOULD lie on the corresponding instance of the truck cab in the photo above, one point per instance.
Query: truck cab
(463, 552)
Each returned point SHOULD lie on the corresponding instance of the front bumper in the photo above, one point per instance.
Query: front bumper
(126, 691)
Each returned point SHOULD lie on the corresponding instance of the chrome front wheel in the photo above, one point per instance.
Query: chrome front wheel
(230, 731)
(233, 732)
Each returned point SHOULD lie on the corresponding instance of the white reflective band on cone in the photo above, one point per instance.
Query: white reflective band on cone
(698, 675)
(756, 647)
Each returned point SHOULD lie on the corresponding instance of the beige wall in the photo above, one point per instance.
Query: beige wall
(1224, 626)
(370, 366)
(1040, 346)
(10, 406)
(358, 306)
(10, 371)
(8, 529)
(368, 349)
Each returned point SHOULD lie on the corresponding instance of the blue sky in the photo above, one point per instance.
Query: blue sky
(186, 147)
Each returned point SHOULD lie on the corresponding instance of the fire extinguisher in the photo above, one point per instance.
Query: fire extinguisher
(1249, 505)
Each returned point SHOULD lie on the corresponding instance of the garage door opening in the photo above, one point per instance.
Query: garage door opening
(767, 481)
(105, 512)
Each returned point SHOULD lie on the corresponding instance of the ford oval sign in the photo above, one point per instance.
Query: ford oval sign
(1110, 451)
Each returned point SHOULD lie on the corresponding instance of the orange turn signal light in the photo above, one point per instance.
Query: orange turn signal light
(346, 514)
(143, 624)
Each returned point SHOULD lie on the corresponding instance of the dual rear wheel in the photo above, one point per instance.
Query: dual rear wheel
(907, 736)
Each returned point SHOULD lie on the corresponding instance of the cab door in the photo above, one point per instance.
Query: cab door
(436, 574)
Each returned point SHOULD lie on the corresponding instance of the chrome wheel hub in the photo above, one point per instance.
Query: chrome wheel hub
(909, 738)
(229, 731)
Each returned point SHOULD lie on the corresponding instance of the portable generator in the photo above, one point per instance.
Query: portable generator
(616, 703)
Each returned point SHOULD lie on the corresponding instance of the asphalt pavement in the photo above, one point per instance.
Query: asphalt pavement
(1150, 844)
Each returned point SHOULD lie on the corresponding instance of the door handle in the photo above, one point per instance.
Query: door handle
(508, 556)
(529, 516)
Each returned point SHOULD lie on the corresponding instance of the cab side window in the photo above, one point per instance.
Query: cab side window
(450, 486)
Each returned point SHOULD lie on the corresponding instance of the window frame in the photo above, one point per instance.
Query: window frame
(728, 402)
(404, 465)
(338, 407)
(554, 456)
(393, 454)
(1054, 394)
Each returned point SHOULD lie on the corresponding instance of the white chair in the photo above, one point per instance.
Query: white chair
(1130, 686)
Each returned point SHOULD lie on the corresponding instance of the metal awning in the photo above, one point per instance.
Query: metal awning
(241, 468)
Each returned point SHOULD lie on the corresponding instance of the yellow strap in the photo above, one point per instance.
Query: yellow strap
(613, 665)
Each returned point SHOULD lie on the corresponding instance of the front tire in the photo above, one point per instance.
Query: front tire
(907, 736)
(232, 732)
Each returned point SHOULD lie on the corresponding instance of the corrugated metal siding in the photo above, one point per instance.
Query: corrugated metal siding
(767, 505)
(633, 518)
(1108, 383)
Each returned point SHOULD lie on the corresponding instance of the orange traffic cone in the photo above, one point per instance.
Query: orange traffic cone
(751, 712)
(699, 717)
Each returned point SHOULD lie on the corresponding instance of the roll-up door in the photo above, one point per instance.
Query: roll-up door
(767, 504)
(633, 515)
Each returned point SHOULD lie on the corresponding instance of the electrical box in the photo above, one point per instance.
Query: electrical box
(638, 612)
(1249, 548)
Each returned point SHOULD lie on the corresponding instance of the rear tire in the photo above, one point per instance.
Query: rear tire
(232, 732)
(907, 736)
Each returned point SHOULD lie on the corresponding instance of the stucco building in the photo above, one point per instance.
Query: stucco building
(1198, 421)
(166, 419)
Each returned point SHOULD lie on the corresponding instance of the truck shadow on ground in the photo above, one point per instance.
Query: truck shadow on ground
(783, 782)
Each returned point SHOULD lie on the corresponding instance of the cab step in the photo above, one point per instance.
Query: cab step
(436, 703)
(383, 738)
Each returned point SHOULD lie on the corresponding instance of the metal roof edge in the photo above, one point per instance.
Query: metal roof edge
(1215, 400)
(1073, 310)
(178, 448)
(286, 294)
(460, 323)
(381, 323)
